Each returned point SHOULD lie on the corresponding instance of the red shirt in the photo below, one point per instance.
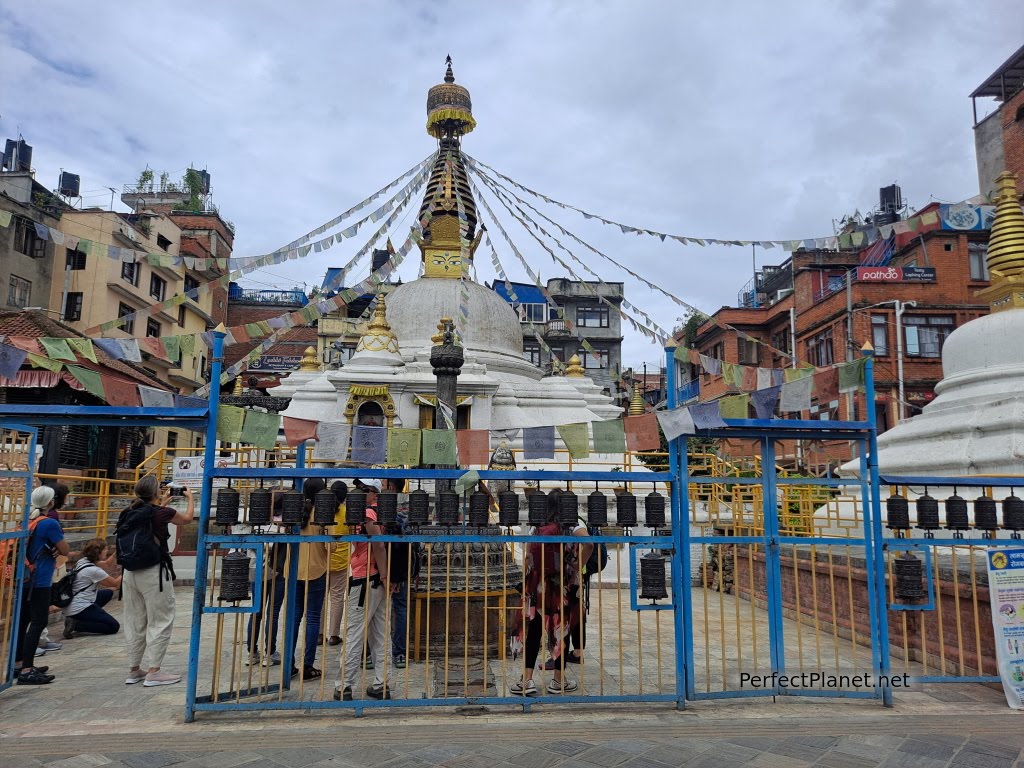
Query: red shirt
(362, 553)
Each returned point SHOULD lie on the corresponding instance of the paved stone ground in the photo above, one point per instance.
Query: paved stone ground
(88, 717)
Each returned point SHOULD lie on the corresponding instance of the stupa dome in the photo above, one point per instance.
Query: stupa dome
(414, 309)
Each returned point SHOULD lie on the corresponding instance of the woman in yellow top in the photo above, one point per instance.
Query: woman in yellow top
(337, 569)
(311, 585)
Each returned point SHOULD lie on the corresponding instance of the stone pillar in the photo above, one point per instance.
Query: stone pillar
(446, 358)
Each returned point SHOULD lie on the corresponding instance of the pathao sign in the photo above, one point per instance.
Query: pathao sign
(896, 274)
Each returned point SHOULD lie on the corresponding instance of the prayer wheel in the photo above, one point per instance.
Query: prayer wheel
(985, 517)
(260, 507)
(419, 507)
(597, 510)
(508, 509)
(292, 508)
(897, 513)
(325, 508)
(625, 510)
(478, 504)
(927, 515)
(355, 507)
(448, 508)
(568, 508)
(957, 519)
(227, 507)
(387, 508)
(1013, 515)
(652, 577)
(654, 510)
(537, 509)
(908, 572)
(234, 577)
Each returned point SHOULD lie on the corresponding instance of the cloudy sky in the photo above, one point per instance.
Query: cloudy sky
(736, 120)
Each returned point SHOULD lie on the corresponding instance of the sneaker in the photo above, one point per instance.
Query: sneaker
(69, 627)
(378, 692)
(334, 640)
(520, 688)
(160, 677)
(35, 677)
(552, 664)
(272, 660)
(50, 646)
(254, 659)
(343, 695)
(399, 661)
(564, 685)
(135, 677)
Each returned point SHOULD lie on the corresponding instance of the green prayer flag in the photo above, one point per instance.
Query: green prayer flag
(229, 423)
(609, 436)
(404, 446)
(466, 481)
(172, 346)
(5, 218)
(260, 429)
(253, 330)
(187, 345)
(575, 438)
(84, 348)
(851, 375)
(44, 362)
(57, 349)
(682, 354)
(88, 379)
(264, 326)
(734, 407)
(732, 374)
(795, 374)
(439, 446)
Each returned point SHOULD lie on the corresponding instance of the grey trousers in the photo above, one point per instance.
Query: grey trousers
(362, 623)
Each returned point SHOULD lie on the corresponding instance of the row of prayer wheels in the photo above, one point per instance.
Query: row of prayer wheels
(957, 515)
(325, 506)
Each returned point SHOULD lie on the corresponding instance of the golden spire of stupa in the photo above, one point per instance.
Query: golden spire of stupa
(1006, 248)
(378, 336)
(636, 401)
(309, 361)
(574, 369)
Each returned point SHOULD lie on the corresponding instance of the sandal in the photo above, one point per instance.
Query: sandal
(311, 673)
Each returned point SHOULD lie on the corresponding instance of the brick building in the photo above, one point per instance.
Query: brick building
(999, 136)
(246, 305)
(825, 306)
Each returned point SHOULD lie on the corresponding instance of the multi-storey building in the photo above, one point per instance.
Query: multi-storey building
(251, 305)
(589, 312)
(26, 259)
(999, 136)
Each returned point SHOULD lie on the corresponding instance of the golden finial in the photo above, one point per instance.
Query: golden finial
(1006, 248)
(237, 391)
(378, 336)
(636, 401)
(379, 322)
(438, 337)
(309, 361)
(575, 368)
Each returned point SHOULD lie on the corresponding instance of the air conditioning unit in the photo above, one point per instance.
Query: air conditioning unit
(780, 295)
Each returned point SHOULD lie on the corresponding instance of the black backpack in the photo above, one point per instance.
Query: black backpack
(598, 559)
(137, 544)
(63, 591)
(399, 569)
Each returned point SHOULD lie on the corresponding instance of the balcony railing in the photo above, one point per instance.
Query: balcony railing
(688, 391)
(556, 328)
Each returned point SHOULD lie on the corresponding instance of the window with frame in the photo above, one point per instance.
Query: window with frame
(26, 240)
(924, 335)
(172, 439)
(130, 272)
(123, 310)
(977, 253)
(592, 317)
(73, 306)
(163, 242)
(880, 335)
(781, 341)
(181, 315)
(190, 283)
(74, 260)
(19, 291)
(819, 349)
(748, 351)
(594, 360)
(533, 313)
(157, 287)
(153, 328)
(531, 352)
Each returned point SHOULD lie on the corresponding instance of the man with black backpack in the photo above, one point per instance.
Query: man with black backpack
(141, 537)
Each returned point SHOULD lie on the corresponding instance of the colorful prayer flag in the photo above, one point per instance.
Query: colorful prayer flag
(706, 415)
(642, 432)
(84, 348)
(474, 446)
(765, 400)
(298, 431)
(260, 429)
(156, 398)
(576, 439)
(609, 436)
(11, 360)
(851, 375)
(796, 395)
(675, 423)
(369, 445)
(120, 392)
(331, 440)
(734, 407)
(57, 349)
(439, 447)
(230, 420)
(89, 379)
(538, 443)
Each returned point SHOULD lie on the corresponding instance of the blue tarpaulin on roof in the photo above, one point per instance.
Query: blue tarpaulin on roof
(330, 277)
(525, 293)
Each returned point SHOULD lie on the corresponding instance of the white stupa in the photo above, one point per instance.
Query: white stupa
(975, 425)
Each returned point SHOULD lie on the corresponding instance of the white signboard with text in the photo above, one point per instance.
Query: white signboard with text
(1006, 595)
(188, 471)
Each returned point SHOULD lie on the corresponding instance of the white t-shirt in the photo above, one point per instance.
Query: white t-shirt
(87, 576)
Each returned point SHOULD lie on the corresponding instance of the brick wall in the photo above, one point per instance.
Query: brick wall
(1013, 136)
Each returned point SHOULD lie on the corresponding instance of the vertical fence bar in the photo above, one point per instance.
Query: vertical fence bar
(773, 560)
(202, 560)
(682, 599)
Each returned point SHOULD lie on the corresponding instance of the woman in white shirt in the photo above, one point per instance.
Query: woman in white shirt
(85, 615)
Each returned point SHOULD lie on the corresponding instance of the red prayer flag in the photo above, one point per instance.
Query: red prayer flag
(298, 430)
(120, 392)
(642, 432)
(239, 335)
(826, 385)
(154, 346)
(694, 357)
(25, 343)
(749, 381)
(474, 446)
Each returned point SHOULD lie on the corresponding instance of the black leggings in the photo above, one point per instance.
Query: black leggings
(35, 612)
